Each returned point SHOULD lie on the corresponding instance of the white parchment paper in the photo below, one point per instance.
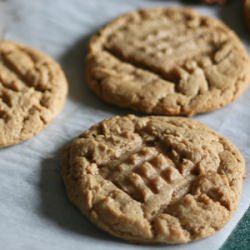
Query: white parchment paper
(34, 211)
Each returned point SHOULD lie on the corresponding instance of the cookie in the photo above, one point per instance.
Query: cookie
(167, 61)
(214, 1)
(154, 179)
(33, 90)
(247, 12)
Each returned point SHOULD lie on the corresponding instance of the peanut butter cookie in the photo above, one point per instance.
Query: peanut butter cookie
(33, 90)
(214, 1)
(154, 179)
(167, 61)
(247, 11)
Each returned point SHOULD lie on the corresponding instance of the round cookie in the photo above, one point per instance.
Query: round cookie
(33, 90)
(154, 179)
(167, 61)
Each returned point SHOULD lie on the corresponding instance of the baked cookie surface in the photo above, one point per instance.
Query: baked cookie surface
(33, 90)
(167, 61)
(154, 179)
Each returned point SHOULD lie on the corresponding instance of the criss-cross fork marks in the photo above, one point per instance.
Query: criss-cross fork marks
(18, 76)
(161, 51)
(144, 174)
(22, 69)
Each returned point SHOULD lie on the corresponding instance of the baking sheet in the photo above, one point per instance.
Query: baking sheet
(34, 210)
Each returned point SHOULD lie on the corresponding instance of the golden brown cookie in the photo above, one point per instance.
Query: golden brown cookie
(167, 61)
(33, 90)
(154, 179)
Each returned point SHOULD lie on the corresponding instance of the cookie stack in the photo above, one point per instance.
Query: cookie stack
(152, 179)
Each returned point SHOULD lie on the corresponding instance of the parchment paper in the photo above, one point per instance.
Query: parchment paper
(34, 210)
